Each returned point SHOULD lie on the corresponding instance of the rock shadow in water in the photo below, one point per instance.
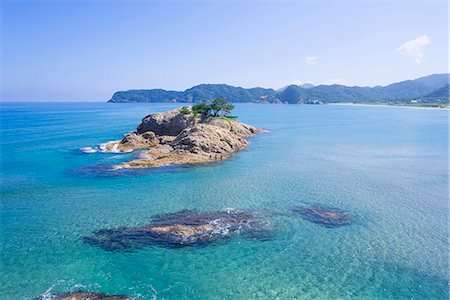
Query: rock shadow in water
(326, 217)
(184, 228)
(80, 295)
(108, 171)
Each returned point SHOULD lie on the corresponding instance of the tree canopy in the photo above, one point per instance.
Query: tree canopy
(219, 107)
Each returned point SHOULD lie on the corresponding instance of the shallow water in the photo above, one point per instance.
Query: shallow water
(387, 166)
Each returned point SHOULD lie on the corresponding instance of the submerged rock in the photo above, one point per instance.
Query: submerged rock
(174, 137)
(184, 228)
(84, 296)
(325, 217)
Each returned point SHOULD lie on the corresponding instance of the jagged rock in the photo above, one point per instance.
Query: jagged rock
(238, 128)
(130, 142)
(84, 296)
(206, 139)
(166, 139)
(133, 141)
(185, 228)
(325, 217)
(166, 123)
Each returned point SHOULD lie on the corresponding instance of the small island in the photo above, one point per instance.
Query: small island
(201, 133)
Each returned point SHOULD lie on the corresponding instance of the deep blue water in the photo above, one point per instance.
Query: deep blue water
(387, 166)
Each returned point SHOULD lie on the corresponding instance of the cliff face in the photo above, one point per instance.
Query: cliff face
(167, 123)
(176, 138)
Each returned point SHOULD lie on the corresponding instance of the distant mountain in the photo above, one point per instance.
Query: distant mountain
(434, 81)
(233, 94)
(428, 89)
(306, 85)
(441, 95)
(198, 93)
(155, 95)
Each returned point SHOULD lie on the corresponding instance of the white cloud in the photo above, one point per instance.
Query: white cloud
(414, 48)
(311, 60)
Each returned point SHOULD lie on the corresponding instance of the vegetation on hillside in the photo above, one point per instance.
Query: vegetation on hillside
(425, 90)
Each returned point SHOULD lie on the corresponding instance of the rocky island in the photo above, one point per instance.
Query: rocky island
(195, 134)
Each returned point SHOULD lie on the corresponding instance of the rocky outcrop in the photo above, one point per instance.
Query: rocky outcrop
(133, 141)
(325, 217)
(204, 139)
(174, 137)
(84, 296)
(167, 123)
(130, 142)
(184, 228)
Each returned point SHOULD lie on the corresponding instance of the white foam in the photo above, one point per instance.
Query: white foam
(220, 227)
(145, 156)
(88, 150)
(114, 148)
(47, 295)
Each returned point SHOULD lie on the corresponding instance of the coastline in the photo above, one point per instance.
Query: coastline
(390, 105)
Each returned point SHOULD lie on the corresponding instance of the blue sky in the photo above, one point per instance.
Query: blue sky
(87, 50)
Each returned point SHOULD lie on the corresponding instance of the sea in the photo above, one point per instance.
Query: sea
(385, 166)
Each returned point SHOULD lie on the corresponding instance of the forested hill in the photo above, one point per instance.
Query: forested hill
(432, 88)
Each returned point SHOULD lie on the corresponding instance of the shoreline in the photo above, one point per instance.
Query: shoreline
(389, 105)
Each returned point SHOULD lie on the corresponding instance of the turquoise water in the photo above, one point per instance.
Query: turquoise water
(387, 166)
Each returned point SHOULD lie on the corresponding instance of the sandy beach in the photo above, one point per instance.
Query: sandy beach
(388, 105)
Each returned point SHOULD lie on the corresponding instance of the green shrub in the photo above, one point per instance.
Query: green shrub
(185, 110)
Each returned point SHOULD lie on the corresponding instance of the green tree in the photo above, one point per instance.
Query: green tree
(185, 110)
(203, 109)
(220, 107)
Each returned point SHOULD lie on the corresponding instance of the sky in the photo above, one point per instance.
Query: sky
(87, 50)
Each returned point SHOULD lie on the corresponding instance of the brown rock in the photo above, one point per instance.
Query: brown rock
(133, 141)
(207, 139)
(166, 123)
